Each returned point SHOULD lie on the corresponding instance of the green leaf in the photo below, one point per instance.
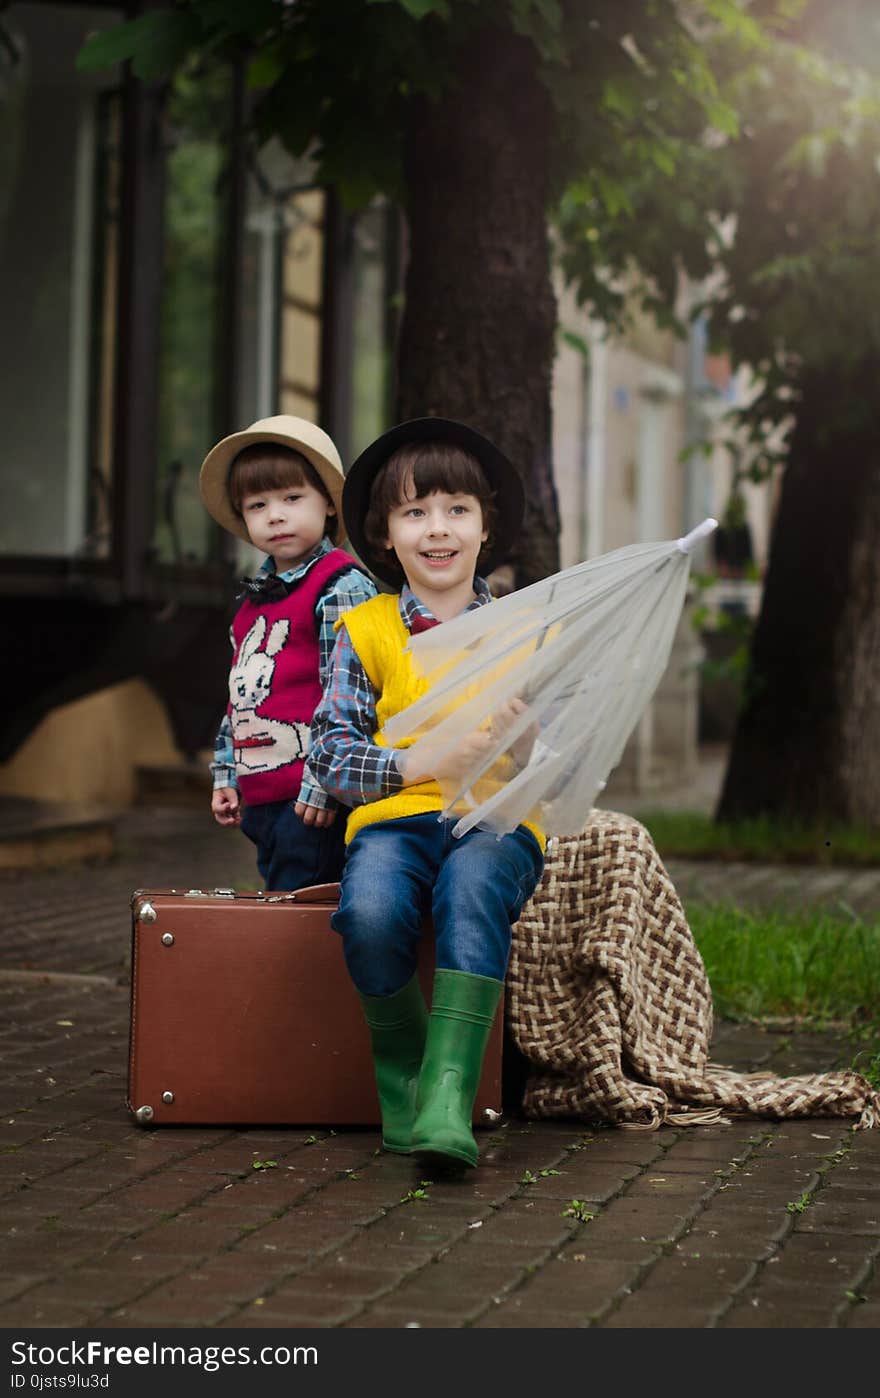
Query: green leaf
(265, 68)
(155, 43)
(734, 19)
(413, 1195)
(550, 11)
(579, 1209)
(419, 9)
(613, 195)
(722, 116)
(664, 159)
(620, 98)
(239, 17)
(576, 342)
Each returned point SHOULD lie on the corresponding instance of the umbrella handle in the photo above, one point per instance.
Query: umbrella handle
(702, 531)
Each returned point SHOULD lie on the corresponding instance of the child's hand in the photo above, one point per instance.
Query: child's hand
(504, 719)
(226, 805)
(451, 768)
(318, 816)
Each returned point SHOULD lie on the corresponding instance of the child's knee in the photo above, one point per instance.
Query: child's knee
(369, 915)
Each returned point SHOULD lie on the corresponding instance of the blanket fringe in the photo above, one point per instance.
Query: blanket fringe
(609, 1000)
(684, 1116)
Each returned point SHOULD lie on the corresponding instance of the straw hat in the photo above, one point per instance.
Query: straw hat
(287, 431)
(502, 477)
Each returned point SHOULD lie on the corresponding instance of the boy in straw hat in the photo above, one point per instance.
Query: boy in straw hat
(424, 505)
(278, 485)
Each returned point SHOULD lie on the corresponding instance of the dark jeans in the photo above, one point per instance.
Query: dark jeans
(398, 871)
(291, 854)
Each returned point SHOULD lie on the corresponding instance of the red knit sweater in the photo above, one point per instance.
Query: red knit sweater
(274, 686)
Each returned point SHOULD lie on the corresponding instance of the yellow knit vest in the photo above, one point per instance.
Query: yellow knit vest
(380, 638)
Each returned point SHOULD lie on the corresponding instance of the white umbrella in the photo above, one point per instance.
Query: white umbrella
(583, 651)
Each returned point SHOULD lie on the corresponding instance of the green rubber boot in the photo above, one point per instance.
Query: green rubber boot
(398, 1025)
(462, 1014)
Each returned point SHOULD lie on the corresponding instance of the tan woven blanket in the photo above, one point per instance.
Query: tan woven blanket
(608, 998)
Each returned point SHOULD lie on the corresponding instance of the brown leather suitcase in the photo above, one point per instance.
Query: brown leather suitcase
(243, 1013)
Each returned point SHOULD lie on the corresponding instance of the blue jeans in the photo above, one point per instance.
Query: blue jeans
(291, 854)
(399, 871)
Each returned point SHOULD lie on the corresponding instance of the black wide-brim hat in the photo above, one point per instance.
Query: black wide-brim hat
(504, 482)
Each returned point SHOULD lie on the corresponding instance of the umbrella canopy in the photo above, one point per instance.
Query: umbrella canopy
(556, 676)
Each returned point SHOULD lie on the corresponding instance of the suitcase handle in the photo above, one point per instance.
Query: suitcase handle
(318, 893)
(321, 894)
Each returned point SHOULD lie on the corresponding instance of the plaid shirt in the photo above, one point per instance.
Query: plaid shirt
(340, 595)
(342, 754)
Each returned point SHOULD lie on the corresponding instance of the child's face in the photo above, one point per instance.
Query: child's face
(437, 539)
(286, 522)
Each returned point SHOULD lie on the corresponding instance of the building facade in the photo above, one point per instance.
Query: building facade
(162, 283)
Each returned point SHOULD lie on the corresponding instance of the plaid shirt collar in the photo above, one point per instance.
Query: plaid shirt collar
(300, 569)
(410, 606)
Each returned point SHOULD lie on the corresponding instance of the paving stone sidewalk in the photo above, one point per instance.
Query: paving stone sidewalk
(755, 1224)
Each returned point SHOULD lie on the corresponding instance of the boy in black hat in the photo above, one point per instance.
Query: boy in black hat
(423, 505)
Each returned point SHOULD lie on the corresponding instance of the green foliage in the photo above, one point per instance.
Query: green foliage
(529, 1177)
(692, 835)
(156, 43)
(799, 1206)
(630, 81)
(673, 119)
(810, 964)
(575, 341)
(783, 211)
(868, 1063)
(723, 139)
(420, 1192)
(580, 1210)
(419, 9)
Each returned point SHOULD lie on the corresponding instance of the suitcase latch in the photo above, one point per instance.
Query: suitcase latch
(224, 892)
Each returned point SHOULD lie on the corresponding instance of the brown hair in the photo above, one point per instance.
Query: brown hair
(422, 469)
(271, 466)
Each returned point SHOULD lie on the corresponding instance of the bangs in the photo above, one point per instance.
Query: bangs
(421, 469)
(436, 466)
(416, 471)
(269, 466)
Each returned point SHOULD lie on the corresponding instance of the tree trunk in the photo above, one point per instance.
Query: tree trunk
(477, 339)
(807, 746)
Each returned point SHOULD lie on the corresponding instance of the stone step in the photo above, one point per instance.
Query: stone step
(43, 834)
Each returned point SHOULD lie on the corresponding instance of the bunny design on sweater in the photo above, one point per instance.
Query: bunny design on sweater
(274, 685)
(262, 744)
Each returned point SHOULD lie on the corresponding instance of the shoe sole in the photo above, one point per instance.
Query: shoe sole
(434, 1157)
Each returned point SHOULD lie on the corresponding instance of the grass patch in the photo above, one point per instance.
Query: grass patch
(812, 966)
(692, 835)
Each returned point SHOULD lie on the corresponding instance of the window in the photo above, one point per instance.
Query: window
(198, 121)
(59, 191)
